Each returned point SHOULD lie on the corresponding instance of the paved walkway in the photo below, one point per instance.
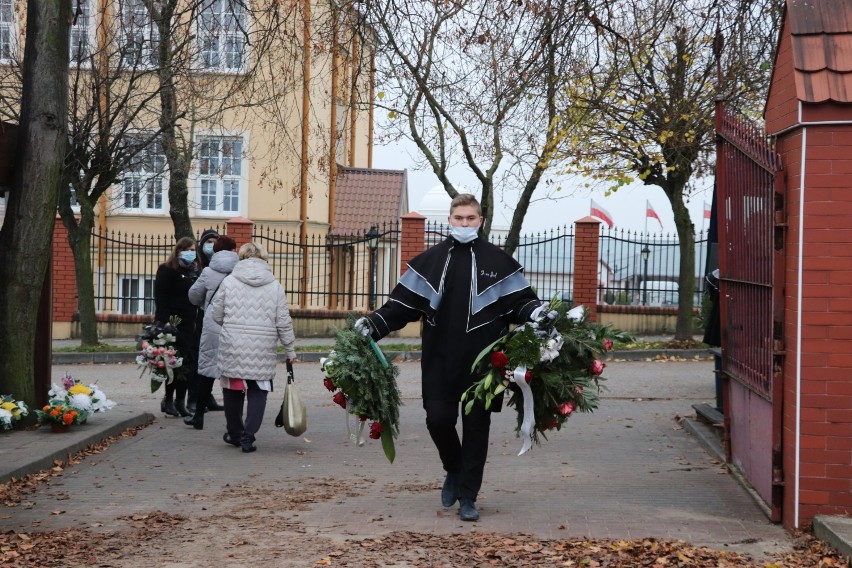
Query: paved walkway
(630, 470)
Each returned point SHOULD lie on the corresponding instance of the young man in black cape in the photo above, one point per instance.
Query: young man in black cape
(468, 291)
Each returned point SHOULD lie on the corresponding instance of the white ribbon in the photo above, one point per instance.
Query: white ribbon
(357, 436)
(520, 378)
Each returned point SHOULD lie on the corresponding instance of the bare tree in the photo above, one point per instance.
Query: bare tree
(478, 83)
(25, 238)
(643, 106)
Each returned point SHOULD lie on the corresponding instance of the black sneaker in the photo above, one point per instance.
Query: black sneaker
(450, 491)
(229, 440)
(249, 449)
(468, 511)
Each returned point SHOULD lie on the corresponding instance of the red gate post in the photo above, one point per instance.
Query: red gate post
(413, 238)
(586, 263)
(240, 229)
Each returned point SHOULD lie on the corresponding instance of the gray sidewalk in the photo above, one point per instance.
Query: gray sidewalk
(629, 470)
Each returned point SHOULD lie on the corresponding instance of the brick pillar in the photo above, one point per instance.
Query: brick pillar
(64, 280)
(240, 229)
(586, 247)
(413, 238)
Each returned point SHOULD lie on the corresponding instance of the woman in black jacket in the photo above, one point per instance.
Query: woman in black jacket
(171, 287)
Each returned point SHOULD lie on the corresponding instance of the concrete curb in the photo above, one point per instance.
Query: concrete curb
(836, 531)
(28, 461)
(76, 358)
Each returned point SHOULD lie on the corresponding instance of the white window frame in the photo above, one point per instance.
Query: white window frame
(83, 28)
(217, 24)
(208, 174)
(148, 171)
(135, 303)
(8, 31)
(135, 23)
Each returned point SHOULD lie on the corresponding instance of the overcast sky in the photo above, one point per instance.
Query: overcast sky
(626, 206)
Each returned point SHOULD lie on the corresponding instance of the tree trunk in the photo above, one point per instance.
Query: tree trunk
(177, 151)
(81, 246)
(26, 236)
(685, 325)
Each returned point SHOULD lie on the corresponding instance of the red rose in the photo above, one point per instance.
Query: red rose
(566, 408)
(375, 430)
(528, 376)
(597, 367)
(340, 399)
(328, 384)
(499, 359)
(554, 424)
(607, 344)
(362, 417)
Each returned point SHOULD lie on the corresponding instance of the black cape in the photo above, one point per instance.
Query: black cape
(467, 294)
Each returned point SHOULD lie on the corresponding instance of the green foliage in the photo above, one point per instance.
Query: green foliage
(367, 381)
(562, 351)
(609, 297)
(623, 299)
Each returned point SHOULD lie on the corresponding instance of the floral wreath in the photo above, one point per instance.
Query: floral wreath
(364, 385)
(11, 411)
(551, 368)
(159, 355)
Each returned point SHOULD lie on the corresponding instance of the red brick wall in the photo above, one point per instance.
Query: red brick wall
(64, 282)
(818, 378)
(240, 229)
(586, 245)
(413, 238)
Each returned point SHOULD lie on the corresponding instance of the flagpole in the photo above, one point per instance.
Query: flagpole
(646, 216)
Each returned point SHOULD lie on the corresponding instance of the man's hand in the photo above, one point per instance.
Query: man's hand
(362, 326)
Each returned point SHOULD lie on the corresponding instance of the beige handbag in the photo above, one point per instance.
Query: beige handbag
(293, 415)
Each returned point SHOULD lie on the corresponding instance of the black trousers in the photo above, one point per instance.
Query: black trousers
(244, 431)
(465, 455)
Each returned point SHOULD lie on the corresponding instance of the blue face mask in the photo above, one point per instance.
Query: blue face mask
(208, 249)
(464, 234)
(187, 256)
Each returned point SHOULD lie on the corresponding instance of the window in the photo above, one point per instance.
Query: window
(220, 174)
(136, 295)
(142, 187)
(7, 30)
(221, 35)
(141, 36)
(80, 49)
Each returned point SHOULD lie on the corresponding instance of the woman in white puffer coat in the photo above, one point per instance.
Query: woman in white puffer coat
(251, 307)
(221, 263)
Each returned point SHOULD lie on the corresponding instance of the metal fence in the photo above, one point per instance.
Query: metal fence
(354, 272)
(326, 272)
(642, 269)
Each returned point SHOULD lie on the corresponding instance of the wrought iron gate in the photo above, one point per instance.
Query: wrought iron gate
(750, 205)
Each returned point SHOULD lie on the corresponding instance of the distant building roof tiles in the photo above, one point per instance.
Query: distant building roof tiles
(366, 196)
(821, 33)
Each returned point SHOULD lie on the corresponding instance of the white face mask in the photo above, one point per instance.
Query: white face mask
(464, 234)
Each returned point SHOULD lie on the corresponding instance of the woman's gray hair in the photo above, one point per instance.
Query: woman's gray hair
(253, 250)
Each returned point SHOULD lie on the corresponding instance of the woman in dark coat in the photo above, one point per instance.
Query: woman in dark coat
(171, 297)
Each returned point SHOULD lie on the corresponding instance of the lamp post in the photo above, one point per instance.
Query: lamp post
(373, 241)
(646, 252)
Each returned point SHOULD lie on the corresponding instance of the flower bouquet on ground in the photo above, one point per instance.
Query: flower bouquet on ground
(11, 411)
(72, 393)
(61, 415)
(551, 368)
(364, 384)
(158, 353)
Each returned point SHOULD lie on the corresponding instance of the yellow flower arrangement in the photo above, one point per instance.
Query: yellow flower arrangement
(11, 411)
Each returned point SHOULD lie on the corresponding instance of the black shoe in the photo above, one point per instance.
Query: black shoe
(468, 511)
(450, 491)
(249, 449)
(181, 408)
(196, 420)
(190, 407)
(228, 440)
(168, 407)
(213, 405)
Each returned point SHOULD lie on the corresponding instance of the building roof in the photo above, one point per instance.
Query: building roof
(821, 34)
(366, 196)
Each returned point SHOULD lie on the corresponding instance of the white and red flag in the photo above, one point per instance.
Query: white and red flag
(706, 209)
(650, 213)
(601, 213)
